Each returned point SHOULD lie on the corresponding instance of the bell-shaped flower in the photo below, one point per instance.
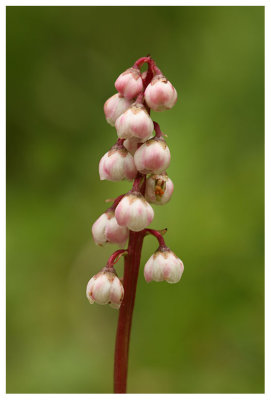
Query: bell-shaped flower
(117, 164)
(129, 84)
(134, 212)
(135, 123)
(159, 189)
(163, 265)
(152, 157)
(105, 288)
(160, 95)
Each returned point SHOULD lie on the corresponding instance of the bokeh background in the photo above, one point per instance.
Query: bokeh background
(202, 335)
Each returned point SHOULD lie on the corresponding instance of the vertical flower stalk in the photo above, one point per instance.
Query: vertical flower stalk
(140, 154)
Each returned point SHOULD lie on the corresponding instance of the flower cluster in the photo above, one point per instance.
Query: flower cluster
(140, 154)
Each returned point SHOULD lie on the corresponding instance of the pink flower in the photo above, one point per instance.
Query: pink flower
(114, 107)
(129, 84)
(163, 265)
(152, 157)
(107, 230)
(159, 189)
(135, 123)
(105, 288)
(117, 164)
(160, 95)
(134, 212)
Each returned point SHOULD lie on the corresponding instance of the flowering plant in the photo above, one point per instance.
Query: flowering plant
(139, 156)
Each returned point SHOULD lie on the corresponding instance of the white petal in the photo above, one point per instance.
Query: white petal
(101, 289)
(89, 290)
(98, 229)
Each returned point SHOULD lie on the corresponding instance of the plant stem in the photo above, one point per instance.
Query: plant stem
(137, 182)
(131, 268)
(158, 236)
(115, 257)
(158, 132)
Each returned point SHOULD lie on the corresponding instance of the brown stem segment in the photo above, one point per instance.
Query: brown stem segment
(131, 268)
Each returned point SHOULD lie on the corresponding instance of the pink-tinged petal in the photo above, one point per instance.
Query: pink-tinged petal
(122, 212)
(89, 290)
(102, 172)
(114, 107)
(150, 215)
(98, 229)
(115, 233)
(101, 289)
(167, 271)
(177, 269)
(130, 170)
(148, 270)
(116, 293)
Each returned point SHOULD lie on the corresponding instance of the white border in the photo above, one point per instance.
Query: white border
(267, 200)
(3, 195)
(267, 5)
(136, 3)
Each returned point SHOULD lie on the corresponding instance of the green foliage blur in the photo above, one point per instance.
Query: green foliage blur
(202, 335)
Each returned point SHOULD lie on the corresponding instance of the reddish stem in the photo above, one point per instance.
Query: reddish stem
(120, 142)
(137, 182)
(151, 62)
(158, 236)
(131, 268)
(115, 257)
(148, 78)
(156, 70)
(143, 187)
(158, 132)
(141, 61)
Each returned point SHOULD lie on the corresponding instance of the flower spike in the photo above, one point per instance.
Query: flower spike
(143, 157)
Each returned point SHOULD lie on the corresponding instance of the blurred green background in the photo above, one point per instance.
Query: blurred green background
(202, 335)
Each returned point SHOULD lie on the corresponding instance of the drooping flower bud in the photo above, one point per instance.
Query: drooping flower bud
(129, 84)
(134, 212)
(135, 123)
(117, 164)
(163, 265)
(107, 230)
(159, 189)
(160, 95)
(114, 107)
(105, 288)
(152, 157)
